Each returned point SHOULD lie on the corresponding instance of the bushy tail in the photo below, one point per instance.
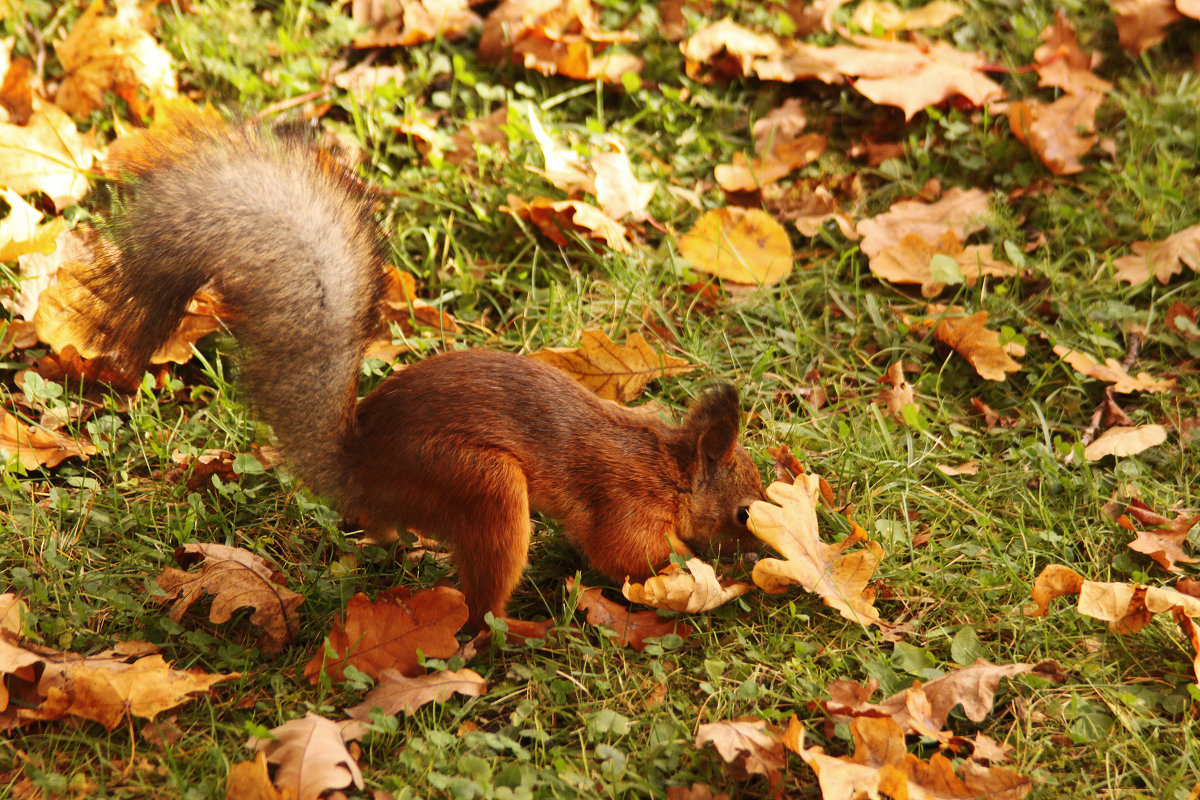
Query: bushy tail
(285, 236)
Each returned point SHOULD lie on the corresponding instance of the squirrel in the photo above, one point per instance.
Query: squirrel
(460, 446)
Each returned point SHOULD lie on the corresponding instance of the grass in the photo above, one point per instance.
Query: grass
(580, 717)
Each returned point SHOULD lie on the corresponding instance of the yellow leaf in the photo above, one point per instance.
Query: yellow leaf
(691, 592)
(611, 371)
(23, 231)
(1112, 372)
(739, 245)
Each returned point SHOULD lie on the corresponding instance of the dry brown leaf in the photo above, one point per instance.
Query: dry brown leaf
(839, 577)
(816, 208)
(312, 757)
(1052, 582)
(1125, 440)
(34, 446)
(750, 743)
(1164, 543)
(48, 154)
(960, 211)
(697, 791)
(1059, 133)
(1161, 260)
(691, 592)
(742, 245)
(236, 579)
(1141, 24)
(400, 23)
(614, 372)
(113, 53)
(396, 692)
(250, 780)
(881, 767)
(632, 628)
(783, 157)
(897, 392)
(887, 16)
(389, 633)
(968, 337)
(487, 131)
(556, 218)
(1112, 372)
(618, 191)
(737, 43)
(1061, 63)
(911, 260)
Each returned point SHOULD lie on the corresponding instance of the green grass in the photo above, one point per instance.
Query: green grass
(580, 717)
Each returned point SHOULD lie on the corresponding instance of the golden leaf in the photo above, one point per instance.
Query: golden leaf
(611, 371)
(739, 245)
(691, 592)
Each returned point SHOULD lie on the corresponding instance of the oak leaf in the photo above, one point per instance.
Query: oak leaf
(1112, 372)
(911, 260)
(1059, 133)
(839, 577)
(250, 780)
(614, 372)
(751, 743)
(1163, 543)
(113, 53)
(236, 579)
(311, 755)
(391, 631)
(960, 211)
(691, 592)
(1141, 24)
(1062, 64)
(48, 154)
(557, 218)
(742, 245)
(409, 22)
(1161, 260)
(968, 337)
(1125, 440)
(35, 446)
(632, 628)
(397, 692)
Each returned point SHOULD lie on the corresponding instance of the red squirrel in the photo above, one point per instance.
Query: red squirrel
(461, 446)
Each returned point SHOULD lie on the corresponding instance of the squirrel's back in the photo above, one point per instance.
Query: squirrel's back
(285, 235)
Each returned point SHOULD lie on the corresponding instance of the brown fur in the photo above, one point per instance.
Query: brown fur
(460, 446)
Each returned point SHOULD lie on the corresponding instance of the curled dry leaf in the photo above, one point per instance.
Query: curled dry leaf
(742, 245)
(389, 633)
(839, 577)
(396, 692)
(632, 628)
(1112, 372)
(1059, 133)
(34, 446)
(896, 392)
(1141, 24)
(614, 372)
(1161, 260)
(692, 592)
(236, 579)
(312, 757)
(48, 154)
(1125, 440)
(556, 218)
(968, 337)
(752, 743)
(113, 53)
(1163, 543)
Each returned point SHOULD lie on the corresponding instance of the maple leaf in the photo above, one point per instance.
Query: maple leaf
(410, 22)
(391, 631)
(838, 577)
(1112, 372)
(692, 592)
(47, 154)
(612, 372)
(1161, 260)
(555, 218)
(968, 337)
(236, 579)
(959, 211)
(1141, 24)
(1059, 133)
(34, 446)
(116, 53)
(397, 692)
(311, 755)
(1125, 440)
(250, 780)
(749, 742)
(742, 245)
(632, 628)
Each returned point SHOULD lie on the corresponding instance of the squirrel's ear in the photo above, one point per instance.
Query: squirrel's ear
(713, 421)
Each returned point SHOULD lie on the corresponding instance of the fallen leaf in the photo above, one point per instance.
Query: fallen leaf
(751, 743)
(1164, 543)
(959, 211)
(742, 245)
(11, 608)
(396, 692)
(564, 168)
(557, 218)
(697, 791)
(839, 577)
(250, 780)
(614, 372)
(33, 446)
(1161, 260)
(691, 592)
(781, 159)
(1141, 24)
(1112, 372)
(23, 231)
(1062, 64)
(816, 208)
(632, 628)
(968, 337)
(391, 631)
(1124, 440)
(618, 191)
(113, 53)
(236, 579)
(888, 16)
(48, 154)
(897, 392)
(965, 468)
(912, 259)
(312, 757)
(408, 22)
(784, 123)
(1059, 133)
